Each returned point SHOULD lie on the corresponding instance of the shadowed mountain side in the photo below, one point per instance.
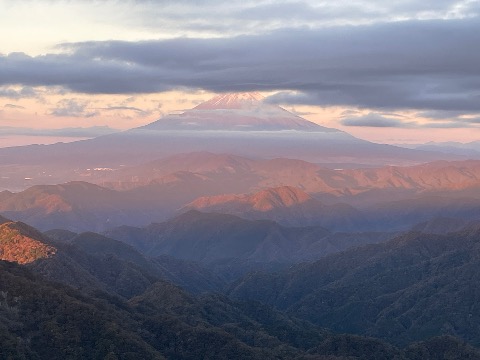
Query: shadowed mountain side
(60, 235)
(91, 261)
(3, 220)
(404, 214)
(442, 225)
(210, 237)
(411, 288)
(286, 205)
(44, 320)
(188, 275)
(29, 306)
(100, 326)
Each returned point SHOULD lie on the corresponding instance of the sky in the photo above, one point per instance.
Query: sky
(391, 72)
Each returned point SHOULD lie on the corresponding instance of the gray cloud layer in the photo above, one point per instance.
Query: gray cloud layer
(25, 92)
(237, 17)
(431, 65)
(92, 131)
(376, 120)
(72, 107)
(384, 120)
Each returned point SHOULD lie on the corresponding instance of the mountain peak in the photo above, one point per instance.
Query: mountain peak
(236, 112)
(232, 101)
(283, 196)
(263, 200)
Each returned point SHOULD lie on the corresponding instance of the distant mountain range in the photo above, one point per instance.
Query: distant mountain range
(210, 238)
(292, 192)
(287, 205)
(470, 150)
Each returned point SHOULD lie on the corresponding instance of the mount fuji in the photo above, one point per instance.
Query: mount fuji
(245, 124)
(236, 112)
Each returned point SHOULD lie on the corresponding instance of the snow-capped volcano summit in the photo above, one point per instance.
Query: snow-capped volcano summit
(232, 101)
(236, 112)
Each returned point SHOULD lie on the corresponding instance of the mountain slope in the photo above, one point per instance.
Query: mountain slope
(44, 320)
(76, 206)
(390, 198)
(81, 206)
(442, 225)
(23, 244)
(210, 238)
(408, 289)
(94, 262)
(286, 205)
(236, 112)
(403, 214)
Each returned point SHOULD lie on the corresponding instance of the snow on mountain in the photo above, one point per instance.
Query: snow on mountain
(232, 101)
(236, 112)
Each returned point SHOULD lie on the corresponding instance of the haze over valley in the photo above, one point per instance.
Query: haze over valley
(239, 180)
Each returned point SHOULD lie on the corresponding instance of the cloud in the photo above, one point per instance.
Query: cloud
(350, 113)
(448, 125)
(12, 106)
(92, 131)
(301, 113)
(376, 120)
(393, 120)
(242, 17)
(12, 93)
(72, 108)
(472, 120)
(87, 132)
(440, 114)
(424, 65)
(450, 119)
(131, 108)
